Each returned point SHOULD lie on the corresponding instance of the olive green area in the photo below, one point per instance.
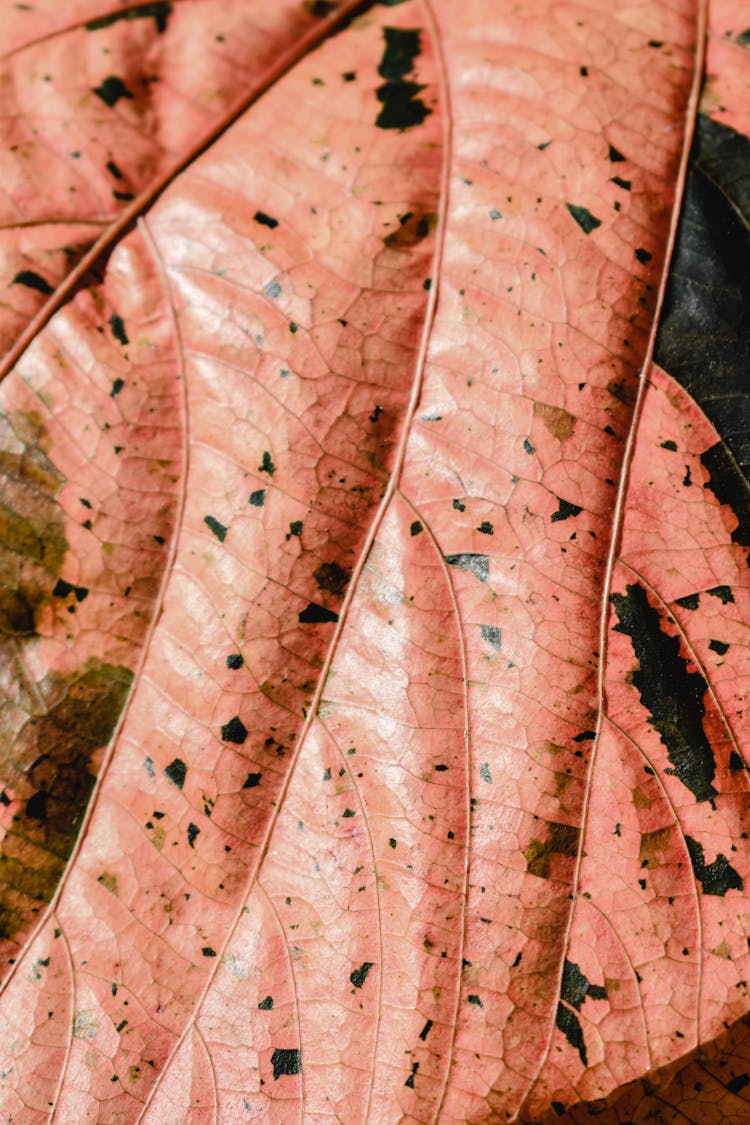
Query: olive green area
(59, 747)
(32, 523)
(48, 750)
(562, 840)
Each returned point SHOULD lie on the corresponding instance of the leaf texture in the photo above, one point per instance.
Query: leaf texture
(349, 466)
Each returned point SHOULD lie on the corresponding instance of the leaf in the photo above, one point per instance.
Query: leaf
(343, 457)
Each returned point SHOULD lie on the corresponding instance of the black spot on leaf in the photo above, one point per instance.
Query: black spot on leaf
(266, 1004)
(176, 771)
(565, 511)
(258, 498)
(672, 695)
(402, 108)
(117, 324)
(715, 878)
(265, 220)
(569, 1024)
(235, 661)
(359, 976)
(253, 780)
(286, 1061)
(32, 280)
(111, 90)
(160, 11)
(586, 221)
(234, 731)
(317, 615)
(576, 986)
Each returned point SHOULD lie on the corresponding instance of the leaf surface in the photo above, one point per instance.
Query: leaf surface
(428, 798)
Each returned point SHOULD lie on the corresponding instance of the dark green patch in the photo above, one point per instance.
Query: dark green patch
(117, 324)
(576, 986)
(402, 108)
(492, 635)
(176, 771)
(219, 530)
(32, 524)
(569, 1024)
(32, 280)
(690, 601)
(719, 647)
(672, 695)
(715, 878)
(266, 464)
(258, 498)
(160, 12)
(562, 839)
(61, 747)
(266, 1004)
(586, 221)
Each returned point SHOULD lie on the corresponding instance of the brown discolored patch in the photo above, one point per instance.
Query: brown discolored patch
(32, 535)
(50, 769)
(623, 390)
(332, 577)
(562, 840)
(559, 422)
(412, 228)
(652, 844)
(640, 799)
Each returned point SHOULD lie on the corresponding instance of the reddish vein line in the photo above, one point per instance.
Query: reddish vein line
(391, 488)
(618, 513)
(307, 41)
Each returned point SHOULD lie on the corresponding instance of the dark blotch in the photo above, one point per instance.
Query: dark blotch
(576, 986)
(117, 386)
(615, 156)
(565, 511)
(117, 324)
(562, 840)
(160, 11)
(317, 615)
(286, 1060)
(672, 695)
(265, 220)
(235, 660)
(740, 1081)
(234, 731)
(176, 771)
(690, 601)
(359, 976)
(425, 1030)
(219, 530)
(719, 647)
(32, 280)
(111, 90)
(266, 1004)
(569, 1024)
(402, 108)
(258, 498)
(715, 878)
(729, 486)
(253, 780)
(723, 593)
(586, 221)
(193, 831)
(332, 577)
